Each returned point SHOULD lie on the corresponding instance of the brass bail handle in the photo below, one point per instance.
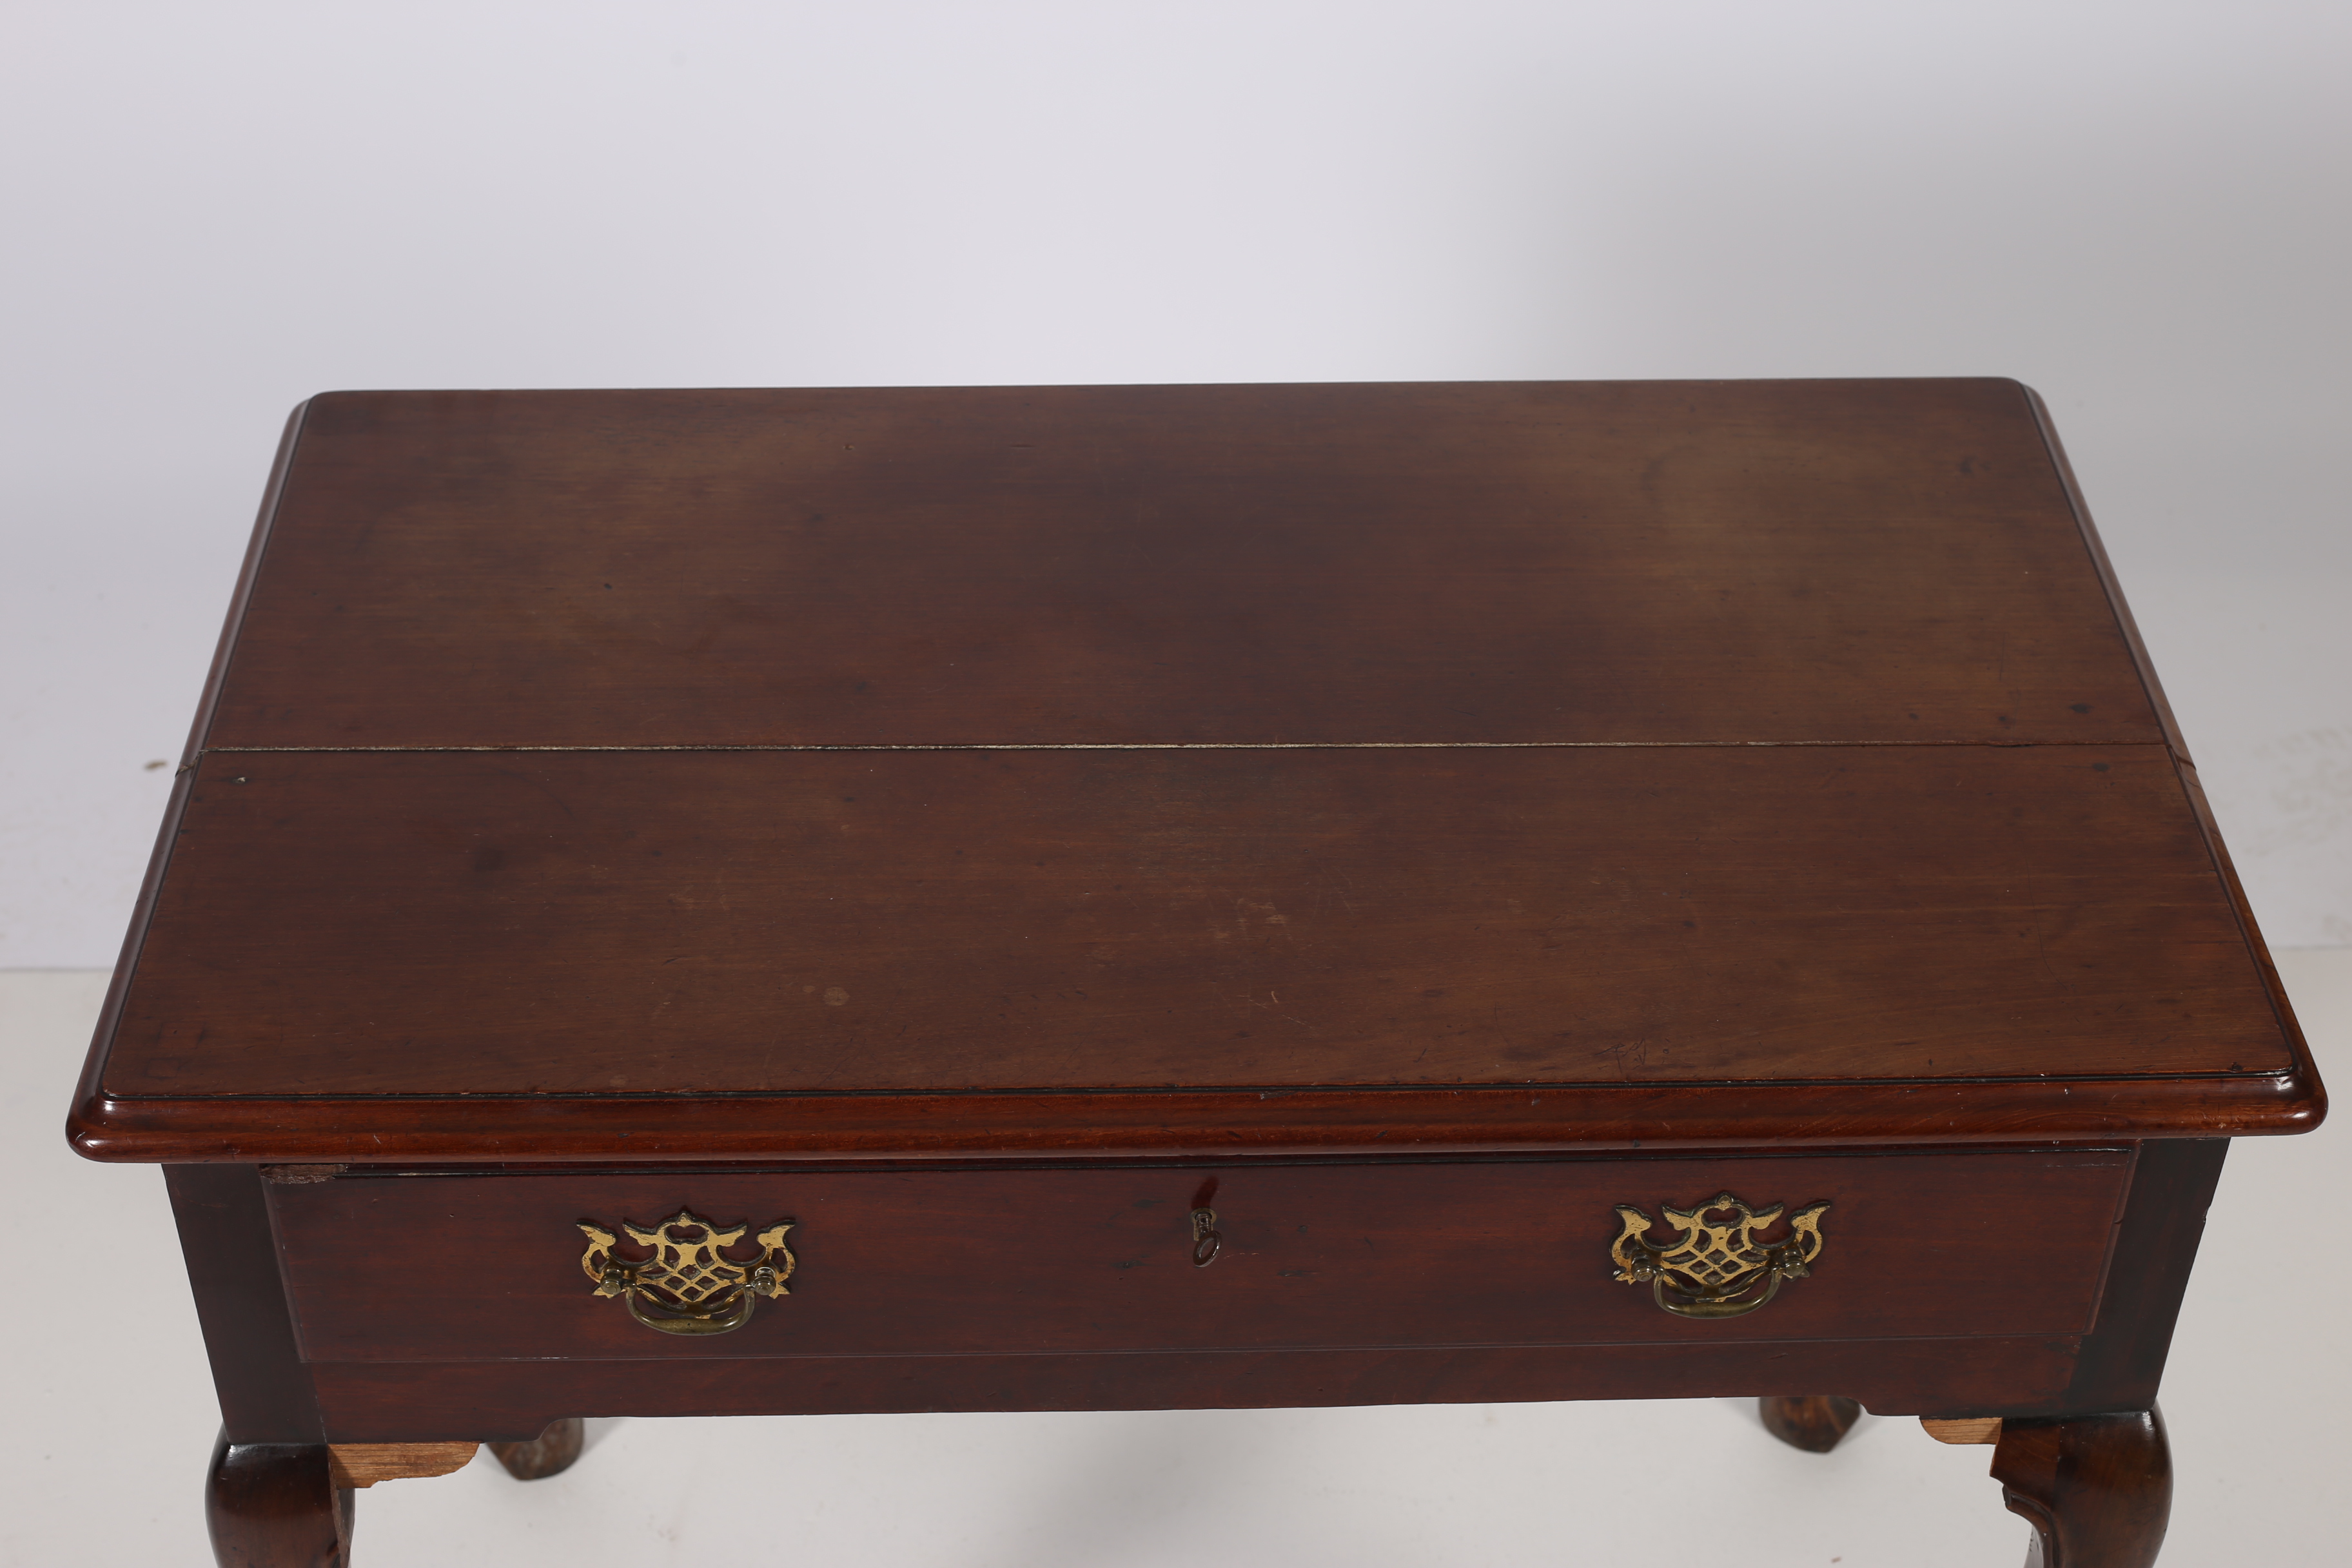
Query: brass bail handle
(689, 1285)
(1206, 1242)
(1716, 1269)
(722, 1321)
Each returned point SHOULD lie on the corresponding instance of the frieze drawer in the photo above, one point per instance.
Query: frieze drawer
(978, 1261)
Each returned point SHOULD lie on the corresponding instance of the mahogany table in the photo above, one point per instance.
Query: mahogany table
(740, 902)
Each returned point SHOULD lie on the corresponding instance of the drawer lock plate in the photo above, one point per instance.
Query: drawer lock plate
(1716, 1269)
(689, 1285)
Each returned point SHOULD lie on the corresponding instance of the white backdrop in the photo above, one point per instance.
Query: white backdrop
(214, 211)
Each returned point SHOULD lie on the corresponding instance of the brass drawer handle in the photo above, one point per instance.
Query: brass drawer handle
(690, 1286)
(1716, 1270)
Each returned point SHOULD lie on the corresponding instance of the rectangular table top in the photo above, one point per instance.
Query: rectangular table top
(1179, 770)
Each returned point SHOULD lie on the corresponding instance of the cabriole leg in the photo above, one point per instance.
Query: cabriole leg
(276, 1505)
(2096, 1488)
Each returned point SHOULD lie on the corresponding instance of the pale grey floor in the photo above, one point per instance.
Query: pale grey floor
(111, 1415)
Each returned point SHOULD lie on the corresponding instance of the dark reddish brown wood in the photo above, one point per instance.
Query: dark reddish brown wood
(1072, 779)
(2250, 933)
(1813, 1422)
(1329, 1122)
(182, 782)
(241, 598)
(2096, 549)
(2190, 784)
(264, 1390)
(2121, 1362)
(826, 922)
(2147, 1274)
(1628, 562)
(276, 1505)
(2096, 1488)
(550, 1453)
(1986, 942)
(1287, 934)
(383, 1403)
(1045, 1261)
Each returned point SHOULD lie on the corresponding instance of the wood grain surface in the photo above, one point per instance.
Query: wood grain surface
(359, 1466)
(550, 1453)
(1146, 771)
(266, 1397)
(1013, 816)
(1728, 560)
(2096, 1488)
(369, 1402)
(724, 923)
(1970, 1217)
(1043, 1261)
(490, 1129)
(1815, 1423)
(277, 1505)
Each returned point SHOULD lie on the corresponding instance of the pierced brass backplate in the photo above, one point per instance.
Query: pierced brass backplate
(690, 1286)
(1716, 1270)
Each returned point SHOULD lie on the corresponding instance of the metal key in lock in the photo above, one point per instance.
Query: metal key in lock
(1206, 1242)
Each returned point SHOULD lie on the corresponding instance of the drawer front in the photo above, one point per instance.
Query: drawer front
(1036, 1261)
